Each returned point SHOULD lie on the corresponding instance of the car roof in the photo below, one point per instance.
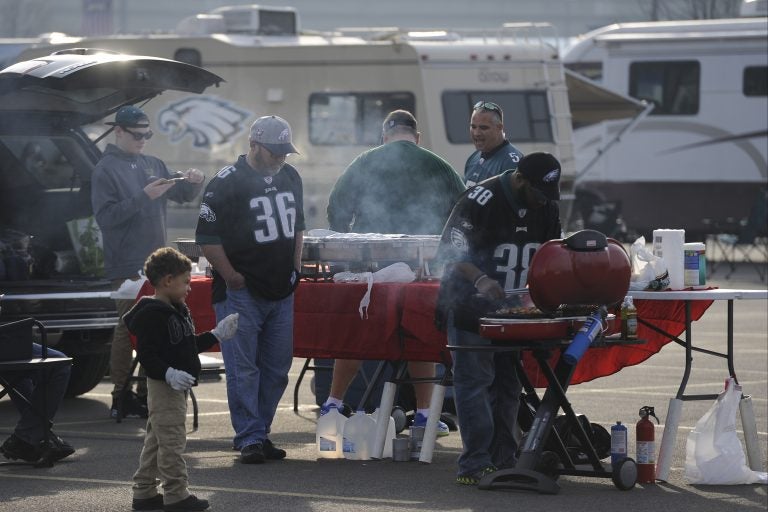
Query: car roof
(85, 85)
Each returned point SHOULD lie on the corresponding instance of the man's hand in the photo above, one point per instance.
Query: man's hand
(179, 379)
(235, 281)
(158, 187)
(489, 288)
(227, 328)
(193, 175)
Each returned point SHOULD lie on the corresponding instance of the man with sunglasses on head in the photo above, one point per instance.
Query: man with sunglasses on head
(129, 192)
(494, 154)
(486, 247)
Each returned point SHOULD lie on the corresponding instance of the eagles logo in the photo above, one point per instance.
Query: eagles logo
(209, 120)
(206, 213)
(551, 176)
(458, 239)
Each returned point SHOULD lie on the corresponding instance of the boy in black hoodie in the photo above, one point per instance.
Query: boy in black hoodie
(168, 348)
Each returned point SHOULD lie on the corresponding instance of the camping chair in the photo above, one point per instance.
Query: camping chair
(16, 361)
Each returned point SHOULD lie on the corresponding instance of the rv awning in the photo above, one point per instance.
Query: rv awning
(591, 103)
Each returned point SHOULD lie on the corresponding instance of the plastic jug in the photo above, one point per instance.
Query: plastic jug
(328, 439)
(390, 435)
(358, 436)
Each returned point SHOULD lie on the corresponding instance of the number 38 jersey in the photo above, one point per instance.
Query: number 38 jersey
(255, 218)
(490, 228)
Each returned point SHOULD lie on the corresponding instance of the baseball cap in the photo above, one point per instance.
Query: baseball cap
(400, 118)
(274, 133)
(542, 170)
(130, 117)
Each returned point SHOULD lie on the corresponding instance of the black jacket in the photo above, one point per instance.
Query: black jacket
(166, 337)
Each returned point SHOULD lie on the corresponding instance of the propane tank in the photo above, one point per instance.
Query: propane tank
(646, 447)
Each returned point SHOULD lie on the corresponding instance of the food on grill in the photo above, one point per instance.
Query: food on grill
(519, 312)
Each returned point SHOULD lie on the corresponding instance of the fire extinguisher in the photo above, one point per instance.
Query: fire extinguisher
(646, 447)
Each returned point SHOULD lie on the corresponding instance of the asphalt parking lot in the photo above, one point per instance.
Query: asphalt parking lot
(98, 476)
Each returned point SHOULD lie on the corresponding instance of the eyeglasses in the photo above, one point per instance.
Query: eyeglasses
(487, 105)
(138, 136)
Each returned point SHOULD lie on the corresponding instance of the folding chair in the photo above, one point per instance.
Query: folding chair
(16, 361)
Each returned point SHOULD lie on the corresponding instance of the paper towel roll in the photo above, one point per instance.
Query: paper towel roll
(668, 245)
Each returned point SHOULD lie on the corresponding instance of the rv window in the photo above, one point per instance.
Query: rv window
(756, 81)
(352, 119)
(527, 114)
(189, 56)
(591, 70)
(672, 86)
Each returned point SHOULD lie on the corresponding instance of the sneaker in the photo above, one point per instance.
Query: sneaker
(153, 503)
(474, 478)
(57, 448)
(272, 452)
(421, 421)
(16, 448)
(252, 454)
(190, 504)
(326, 408)
(132, 407)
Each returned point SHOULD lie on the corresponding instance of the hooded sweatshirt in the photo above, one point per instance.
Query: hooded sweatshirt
(166, 337)
(132, 225)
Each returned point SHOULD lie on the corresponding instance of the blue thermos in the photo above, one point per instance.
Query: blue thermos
(618, 443)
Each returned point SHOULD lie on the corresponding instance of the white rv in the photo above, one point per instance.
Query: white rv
(698, 159)
(336, 88)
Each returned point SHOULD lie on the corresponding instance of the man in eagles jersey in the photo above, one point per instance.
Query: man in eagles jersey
(487, 245)
(494, 153)
(251, 230)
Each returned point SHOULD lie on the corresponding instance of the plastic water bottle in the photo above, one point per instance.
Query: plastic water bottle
(358, 436)
(329, 436)
(618, 443)
(390, 434)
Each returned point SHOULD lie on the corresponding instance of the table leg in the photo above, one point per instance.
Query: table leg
(668, 439)
(430, 432)
(385, 410)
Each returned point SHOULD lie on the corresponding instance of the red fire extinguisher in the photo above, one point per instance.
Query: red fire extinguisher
(646, 447)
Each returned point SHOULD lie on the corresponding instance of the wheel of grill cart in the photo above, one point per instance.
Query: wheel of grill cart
(400, 417)
(624, 474)
(548, 464)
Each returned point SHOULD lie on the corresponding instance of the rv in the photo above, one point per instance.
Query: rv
(335, 89)
(696, 159)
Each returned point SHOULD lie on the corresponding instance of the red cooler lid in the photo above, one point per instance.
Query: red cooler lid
(585, 268)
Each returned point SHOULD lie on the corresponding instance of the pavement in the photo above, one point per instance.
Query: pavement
(98, 476)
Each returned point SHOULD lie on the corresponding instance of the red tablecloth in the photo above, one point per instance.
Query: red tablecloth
(400, 326)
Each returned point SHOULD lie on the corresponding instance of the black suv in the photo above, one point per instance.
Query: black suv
(50, 262)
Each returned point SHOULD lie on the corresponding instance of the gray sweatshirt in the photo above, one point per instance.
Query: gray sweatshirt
(132, 225)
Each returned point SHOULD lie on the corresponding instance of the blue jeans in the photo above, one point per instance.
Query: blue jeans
(487, 395)
(257, 361)
(30, 426)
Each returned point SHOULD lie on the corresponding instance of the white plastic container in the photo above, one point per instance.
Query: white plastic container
(390, 435)
(329, 436)
(358, 436)
(668, 245)
(695, 264)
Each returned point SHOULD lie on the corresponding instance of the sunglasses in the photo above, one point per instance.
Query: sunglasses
(138, 136)
(487, 105)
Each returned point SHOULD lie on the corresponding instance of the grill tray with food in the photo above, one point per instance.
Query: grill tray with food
(568, 280)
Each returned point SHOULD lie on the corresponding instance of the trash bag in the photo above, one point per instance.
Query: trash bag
(649, 272)
(713, 452)
(396, 273)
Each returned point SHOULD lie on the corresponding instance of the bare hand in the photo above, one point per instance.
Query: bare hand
(489, 288)
(193, 175)
(158, 187)
(236, 281)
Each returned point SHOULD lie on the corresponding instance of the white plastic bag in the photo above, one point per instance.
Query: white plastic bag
(713, 452)
(649, 272)
(129, 289)
(395, 273)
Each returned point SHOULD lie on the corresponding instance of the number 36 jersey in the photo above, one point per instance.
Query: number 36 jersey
(255, 218)
(492, 229)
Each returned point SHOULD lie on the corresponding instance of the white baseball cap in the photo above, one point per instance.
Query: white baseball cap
(274, 133)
